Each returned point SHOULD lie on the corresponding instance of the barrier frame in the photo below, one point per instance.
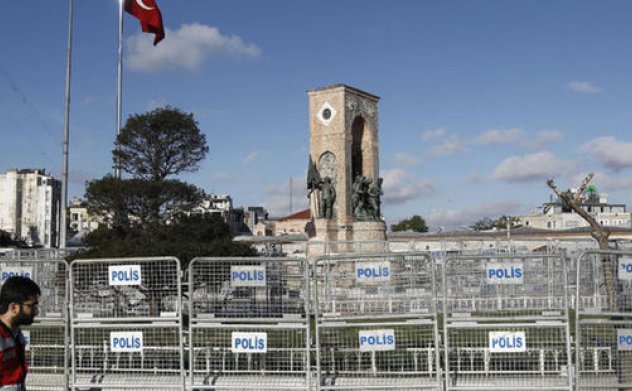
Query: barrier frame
(300, 322)
(594, 316)
(558, 318)
(43, 321)
(412, 319)
(171, 321)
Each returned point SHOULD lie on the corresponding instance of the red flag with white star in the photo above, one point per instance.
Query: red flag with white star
(149, 15)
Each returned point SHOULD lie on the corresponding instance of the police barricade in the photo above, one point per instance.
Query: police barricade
(376, 322)
(126, 328)
(44, 254)
(324, 248)
(506, 323)
(46, 339)
(249, 324)
(603, 345)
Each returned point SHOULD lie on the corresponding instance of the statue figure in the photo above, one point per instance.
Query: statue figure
(356, 190)
(328, 198)
(313, 185)
(366, 198)
(374, 195)
(360, 201)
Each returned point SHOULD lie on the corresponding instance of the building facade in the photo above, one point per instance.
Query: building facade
(222, 205)
(79, 220)
(555, 215)
(29, 206)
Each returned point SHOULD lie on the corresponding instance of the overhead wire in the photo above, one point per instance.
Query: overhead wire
(24, 134)
(28, 104)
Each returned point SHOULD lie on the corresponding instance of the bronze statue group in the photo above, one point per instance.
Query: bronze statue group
(366, 196)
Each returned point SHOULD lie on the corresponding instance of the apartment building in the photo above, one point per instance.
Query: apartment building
(29, 206)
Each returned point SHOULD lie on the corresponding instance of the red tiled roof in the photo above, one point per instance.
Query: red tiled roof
(302, 215)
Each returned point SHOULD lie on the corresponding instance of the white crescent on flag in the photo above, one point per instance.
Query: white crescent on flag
(142, 5)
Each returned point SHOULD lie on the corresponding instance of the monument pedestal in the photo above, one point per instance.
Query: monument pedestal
(370, 236)
(326, 230)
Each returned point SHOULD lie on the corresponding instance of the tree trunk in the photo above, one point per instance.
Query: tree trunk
(601, 235)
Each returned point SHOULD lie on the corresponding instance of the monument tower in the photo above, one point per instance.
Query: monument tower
(343, 177)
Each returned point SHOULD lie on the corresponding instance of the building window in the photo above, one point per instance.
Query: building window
(75, 217)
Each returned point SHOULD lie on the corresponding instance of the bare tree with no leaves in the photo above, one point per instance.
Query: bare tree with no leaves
(601, 235)
(573, 201)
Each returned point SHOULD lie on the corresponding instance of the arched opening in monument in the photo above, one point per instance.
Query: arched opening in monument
(361, 151)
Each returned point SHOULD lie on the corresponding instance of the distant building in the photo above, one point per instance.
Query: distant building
(80, 221)
(264, 228)
(297, 223)
(222, 205)
(556, 215)
(29, 206)
(253, 218)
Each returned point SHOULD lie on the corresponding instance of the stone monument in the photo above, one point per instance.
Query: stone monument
(343, 174)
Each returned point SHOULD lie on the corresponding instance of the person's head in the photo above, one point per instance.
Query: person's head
(19, 300)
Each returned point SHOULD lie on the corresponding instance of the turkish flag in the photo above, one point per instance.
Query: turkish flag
(149, 15)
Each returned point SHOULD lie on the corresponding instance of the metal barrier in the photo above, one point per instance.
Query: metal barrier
(43, 254)
(47, 341)
(376, 322)
(506, 322)
(249, 324)
(505, 287)
(317, 248)
(126, 329)
(604, 320)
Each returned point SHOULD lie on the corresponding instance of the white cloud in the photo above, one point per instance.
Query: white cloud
(520, 137)
(187, 48)
(530, 167)
(452, 218)
(474, 177)
(549, 135)
(399, 186)
(223, 177)
(612, 153)
(445, 143)
(433, 134)
(584, 87)
(251, 157)
(501, 136)
(406, 159)
(449, 146)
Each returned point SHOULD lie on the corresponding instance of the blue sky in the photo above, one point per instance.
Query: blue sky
(480, 100)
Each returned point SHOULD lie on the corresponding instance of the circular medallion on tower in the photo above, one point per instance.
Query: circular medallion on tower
(326, 114)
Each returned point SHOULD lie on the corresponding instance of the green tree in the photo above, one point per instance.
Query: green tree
(185, 238)
(160, 143)
(415, 224)
(483, 224)
(123, 202)
(487, 223)
(149, 214)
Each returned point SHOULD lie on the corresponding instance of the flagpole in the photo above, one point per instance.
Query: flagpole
(64, 181)
(119, 86)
